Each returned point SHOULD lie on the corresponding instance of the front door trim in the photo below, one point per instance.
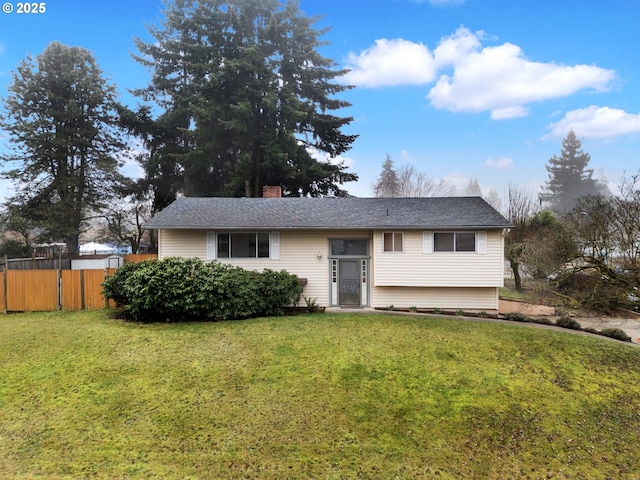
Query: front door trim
(362, 274)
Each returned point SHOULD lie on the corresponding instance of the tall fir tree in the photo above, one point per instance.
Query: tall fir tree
(387, 184)
(569, 177)
(473, 188)
(61, 117)
(253, 95)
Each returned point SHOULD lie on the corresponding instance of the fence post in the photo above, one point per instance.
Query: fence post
(4, 284)
(82, 301)
(106, 300)
(59, 286)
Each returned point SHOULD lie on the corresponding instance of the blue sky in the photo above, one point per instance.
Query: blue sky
(459, 89)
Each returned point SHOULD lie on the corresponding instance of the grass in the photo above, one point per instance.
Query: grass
(314, 396)
(512, 294)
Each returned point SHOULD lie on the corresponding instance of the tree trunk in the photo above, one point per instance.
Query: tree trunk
(72, 243)
(515, 267)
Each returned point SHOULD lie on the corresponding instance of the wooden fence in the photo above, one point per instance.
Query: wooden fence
(43, 290)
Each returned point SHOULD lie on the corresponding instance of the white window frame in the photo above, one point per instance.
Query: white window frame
(393, 234)
(428, 242)
(212, 245)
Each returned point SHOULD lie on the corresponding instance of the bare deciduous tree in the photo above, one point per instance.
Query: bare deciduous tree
(412, 183)
(409, 182)
(628, 223)
(538, 241)
(607, 261)
(124, 222)
(521, 207)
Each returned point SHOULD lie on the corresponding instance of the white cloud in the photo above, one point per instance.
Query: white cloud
(473, 78)
(405, 156)
(391, 62)
(348, 162)
(321, 156)
(458, 180)
(501, 79)
(452, 50)
(596, 122)
(500, 163)
(509, 112)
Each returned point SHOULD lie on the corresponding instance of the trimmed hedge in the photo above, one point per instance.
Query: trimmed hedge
(517, 317)
(616, 333)
(568, 322)
(182, 289)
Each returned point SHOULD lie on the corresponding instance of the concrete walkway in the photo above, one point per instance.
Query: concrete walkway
(514, 306)
(631, 326)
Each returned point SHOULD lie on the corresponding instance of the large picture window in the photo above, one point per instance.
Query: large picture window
(243, 245)
(454, 242)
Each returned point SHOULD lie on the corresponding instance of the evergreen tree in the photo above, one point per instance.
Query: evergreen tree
(250, 96)
(387, 184)
(473, 188)
(60, 114)
(165, 145)
(493, 199)
(569, 177)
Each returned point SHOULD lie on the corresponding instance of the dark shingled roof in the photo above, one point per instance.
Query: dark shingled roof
(328, 213)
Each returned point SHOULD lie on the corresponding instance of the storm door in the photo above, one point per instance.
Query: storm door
(349, 271)
(349, 288)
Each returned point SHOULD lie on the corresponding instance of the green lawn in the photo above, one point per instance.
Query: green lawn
(321, 396)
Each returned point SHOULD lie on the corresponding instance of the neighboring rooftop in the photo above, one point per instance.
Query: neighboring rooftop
(328, 213)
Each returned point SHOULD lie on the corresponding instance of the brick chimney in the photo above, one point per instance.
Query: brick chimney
(271, 191)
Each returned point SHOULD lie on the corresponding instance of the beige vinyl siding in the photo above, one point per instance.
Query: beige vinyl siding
(394, 277)
(413, 268)
(182, 243)
(302, 253)
(470, 299)
(299, 252)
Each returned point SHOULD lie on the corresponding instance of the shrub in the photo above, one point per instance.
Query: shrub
(594, 290)
(115, 286)
(615, 333)
(279, 290)
(542, 321)
(311, 303)
(179, 289)
(517, 317)
(590, 330)
(568, 322)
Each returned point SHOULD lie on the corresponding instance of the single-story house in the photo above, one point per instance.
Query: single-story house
(443, 253)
